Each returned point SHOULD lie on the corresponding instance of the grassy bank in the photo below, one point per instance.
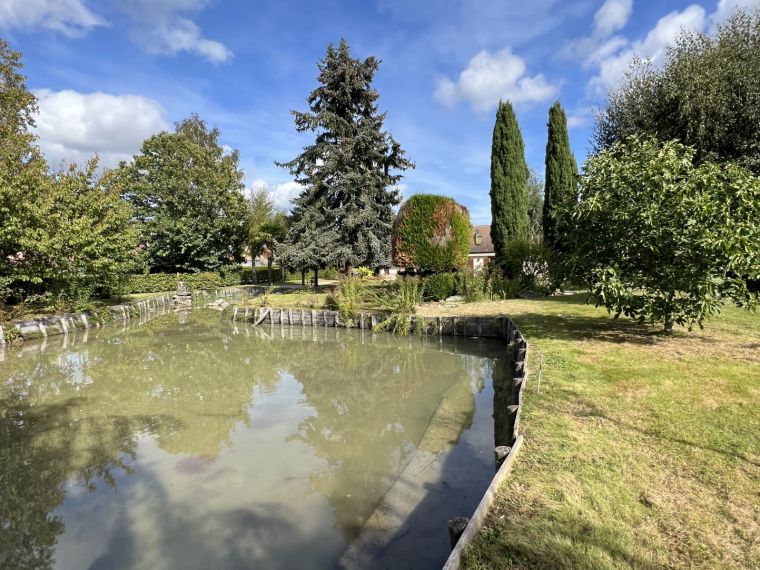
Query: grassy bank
(640, 451)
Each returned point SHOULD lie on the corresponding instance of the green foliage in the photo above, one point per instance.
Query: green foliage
(440, 286)
(400, 301)
(535, 207)
(344, 216)
(705, 93)
(186, 192)
(22, 178)
(364, 272)
(161, 282)
(473, 285)
(267, 228)
(528, 262)
(561, 190)
(432, 234)
(503, 288)
(509, 182)
(351, 291)
(663, 240)
(88, 243)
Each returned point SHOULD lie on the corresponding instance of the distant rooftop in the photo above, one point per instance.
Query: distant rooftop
(483, 235)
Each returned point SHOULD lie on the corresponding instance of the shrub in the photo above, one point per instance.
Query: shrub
(527, 262)
(364, 272)
(349, 296)
(503, 288)
(473, 285)
(401, 302)
(431, 234)
(439, 286)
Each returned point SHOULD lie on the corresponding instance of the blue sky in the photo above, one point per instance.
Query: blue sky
(108, 73)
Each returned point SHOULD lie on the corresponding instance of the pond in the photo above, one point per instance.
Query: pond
(192, 442)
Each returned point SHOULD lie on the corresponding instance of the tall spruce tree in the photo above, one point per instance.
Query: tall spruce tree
(348, 172)
(509, 182)
(561, 189)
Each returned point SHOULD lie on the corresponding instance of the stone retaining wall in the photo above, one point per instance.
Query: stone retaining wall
(508, 390)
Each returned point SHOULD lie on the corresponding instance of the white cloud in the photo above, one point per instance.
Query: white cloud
(490, 77)
(726, 8)
(73, 126)
(282, 194)
(612, 16)
(69, 17)
(613, 64)
(159, 28)
(613, 58)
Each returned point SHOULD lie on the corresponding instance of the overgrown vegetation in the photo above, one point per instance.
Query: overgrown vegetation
(431, 234)
(439, 286)
(400, 301)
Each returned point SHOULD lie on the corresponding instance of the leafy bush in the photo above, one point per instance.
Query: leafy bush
(431, 233)
(401, 301)
(364, 272)
(473, 285)
(503, 288)
(229, 276)
(347, 299)
(527, 262)
(439, 286)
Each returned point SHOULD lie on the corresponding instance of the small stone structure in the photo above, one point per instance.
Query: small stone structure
(182, 299)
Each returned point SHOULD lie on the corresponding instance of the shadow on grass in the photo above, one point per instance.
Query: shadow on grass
(591, 410)
(538, 324)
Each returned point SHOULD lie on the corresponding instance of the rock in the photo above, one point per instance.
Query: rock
(454, 301)
(525, 294)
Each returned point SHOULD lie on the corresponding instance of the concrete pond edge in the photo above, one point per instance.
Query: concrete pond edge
(462, 530)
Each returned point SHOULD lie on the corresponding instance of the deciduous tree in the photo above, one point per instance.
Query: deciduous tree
(22, 172)
(661, 239)
(705, 94)
(186, 190)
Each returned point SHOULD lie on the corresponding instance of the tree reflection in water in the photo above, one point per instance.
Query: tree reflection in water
(77, 414)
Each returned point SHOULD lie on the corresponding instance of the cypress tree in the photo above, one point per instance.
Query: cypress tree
(509, 182)
(348, 173)
(560, 190)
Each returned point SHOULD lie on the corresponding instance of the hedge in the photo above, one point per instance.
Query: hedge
(228, 277)
(431, 234)
(439, 286)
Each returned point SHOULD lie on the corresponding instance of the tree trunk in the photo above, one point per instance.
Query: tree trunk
(270, 259)
(347, 269)
(255, 276)
(668, 324)
(282, 273)
(316, 278)
(303, 278)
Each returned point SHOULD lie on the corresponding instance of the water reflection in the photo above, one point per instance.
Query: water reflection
(208, 443)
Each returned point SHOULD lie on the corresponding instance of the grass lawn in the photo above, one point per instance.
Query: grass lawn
(640, 451)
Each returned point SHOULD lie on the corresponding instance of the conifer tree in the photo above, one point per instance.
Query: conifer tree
(349, 173)
(560, 191)
(509, 182)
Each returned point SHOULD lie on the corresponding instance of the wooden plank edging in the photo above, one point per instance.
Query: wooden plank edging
(479, 516)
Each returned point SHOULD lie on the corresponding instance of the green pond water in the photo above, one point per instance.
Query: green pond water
(191, 442)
